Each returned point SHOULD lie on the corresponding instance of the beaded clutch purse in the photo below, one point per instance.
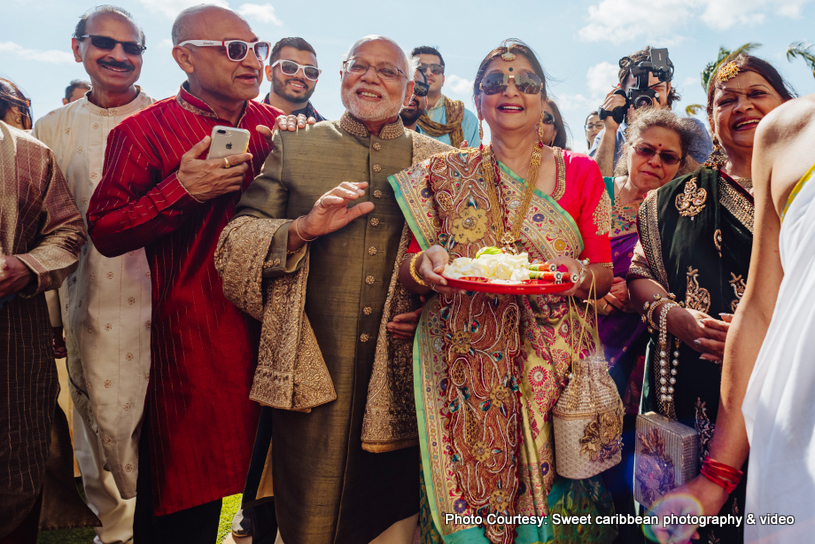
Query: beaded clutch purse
(666, 455)
(588, 421)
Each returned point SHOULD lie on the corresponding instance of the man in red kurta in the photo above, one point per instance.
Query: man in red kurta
(159, 192)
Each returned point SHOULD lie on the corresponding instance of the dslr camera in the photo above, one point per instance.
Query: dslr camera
(641, 94)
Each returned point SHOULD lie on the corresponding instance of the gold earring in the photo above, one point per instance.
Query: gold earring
(481, 132)
(717, 157)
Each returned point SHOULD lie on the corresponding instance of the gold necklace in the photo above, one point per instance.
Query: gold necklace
(489, 169)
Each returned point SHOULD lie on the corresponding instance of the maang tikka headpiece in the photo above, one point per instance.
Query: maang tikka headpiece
(728, 71)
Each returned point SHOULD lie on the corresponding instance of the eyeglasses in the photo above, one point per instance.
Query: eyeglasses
(497, 82)
(109, 44)
(598, 125)
(420, 89)
(548, 118)
(435, 69)
(290, 68)
(384, 71)
(647, 152)
(236, 50)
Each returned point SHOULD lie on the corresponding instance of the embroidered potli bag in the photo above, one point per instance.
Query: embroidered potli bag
(588, 419)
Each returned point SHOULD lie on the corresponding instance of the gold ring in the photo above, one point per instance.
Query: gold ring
(226, 163)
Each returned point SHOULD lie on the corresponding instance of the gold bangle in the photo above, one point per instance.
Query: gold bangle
(297, 231)
(414, 274)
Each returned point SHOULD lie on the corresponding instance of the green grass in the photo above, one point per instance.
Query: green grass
(85, 535)
(231, 505)
(67, 536)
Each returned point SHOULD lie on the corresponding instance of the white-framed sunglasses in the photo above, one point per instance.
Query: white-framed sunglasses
(236, 50)
(290, 68)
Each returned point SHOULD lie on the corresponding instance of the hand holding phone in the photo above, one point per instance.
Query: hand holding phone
(224, 172)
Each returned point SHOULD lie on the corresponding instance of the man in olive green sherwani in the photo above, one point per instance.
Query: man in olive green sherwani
(327, 488)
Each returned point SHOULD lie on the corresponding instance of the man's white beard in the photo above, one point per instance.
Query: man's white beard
(367, 111)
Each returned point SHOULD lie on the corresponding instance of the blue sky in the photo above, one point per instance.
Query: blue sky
(579, 41)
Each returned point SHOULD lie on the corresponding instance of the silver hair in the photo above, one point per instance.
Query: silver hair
(409, 64)
(81, 25)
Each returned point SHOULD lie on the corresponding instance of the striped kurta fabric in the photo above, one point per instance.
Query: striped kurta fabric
(40, 225)
(204, 350)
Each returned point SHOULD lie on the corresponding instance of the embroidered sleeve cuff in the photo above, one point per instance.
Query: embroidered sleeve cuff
(640, 272)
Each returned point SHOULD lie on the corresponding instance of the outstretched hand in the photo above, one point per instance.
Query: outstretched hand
(331, 212)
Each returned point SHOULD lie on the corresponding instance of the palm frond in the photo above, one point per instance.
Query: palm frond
(803, 50)
(693, 109)
(724, 54)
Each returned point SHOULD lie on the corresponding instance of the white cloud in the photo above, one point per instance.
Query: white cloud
(626, 20)
(723, 14)
(262, 13)
(171, 8)
(601, 78)
(621, 21)
(52, 56)
(458, 85)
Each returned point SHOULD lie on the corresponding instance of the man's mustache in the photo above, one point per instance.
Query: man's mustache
(116, 64)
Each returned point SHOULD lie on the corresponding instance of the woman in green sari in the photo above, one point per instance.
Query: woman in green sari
(696, 236)
(489, 368)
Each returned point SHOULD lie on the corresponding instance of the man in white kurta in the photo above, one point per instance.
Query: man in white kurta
(105, 304)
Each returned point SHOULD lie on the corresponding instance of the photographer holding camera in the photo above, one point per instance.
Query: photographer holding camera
(645, 81)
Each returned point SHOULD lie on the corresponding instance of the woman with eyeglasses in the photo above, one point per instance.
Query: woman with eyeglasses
(689, 272)
(592, 127)
(656, 150)
(488, 369)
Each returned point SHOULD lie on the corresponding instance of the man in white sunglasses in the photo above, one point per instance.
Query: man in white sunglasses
(293, 71)
(160, 192)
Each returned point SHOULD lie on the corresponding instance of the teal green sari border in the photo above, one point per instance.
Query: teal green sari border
(548, 199)
(421, 330)
(400, 199)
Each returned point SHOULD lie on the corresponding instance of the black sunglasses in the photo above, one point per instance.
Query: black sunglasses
(435, 69)
(420, 89)
(548, 118)
(647, 152)
(497, 82)
(109, 44)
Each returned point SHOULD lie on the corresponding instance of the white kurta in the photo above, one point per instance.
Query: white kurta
(778, 408)
(106, 303)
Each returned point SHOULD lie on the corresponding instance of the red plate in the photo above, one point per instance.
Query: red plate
(527, 287)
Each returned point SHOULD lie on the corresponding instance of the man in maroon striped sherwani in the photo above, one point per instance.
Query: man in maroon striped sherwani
(159, 192)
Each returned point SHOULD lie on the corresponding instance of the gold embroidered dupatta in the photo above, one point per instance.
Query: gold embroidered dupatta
(488, 368)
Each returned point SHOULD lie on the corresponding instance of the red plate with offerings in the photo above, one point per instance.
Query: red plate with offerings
(525, 287)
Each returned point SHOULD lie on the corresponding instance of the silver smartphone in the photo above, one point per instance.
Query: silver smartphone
(227, 141)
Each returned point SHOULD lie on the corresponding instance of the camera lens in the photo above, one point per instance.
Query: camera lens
(643, 102)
